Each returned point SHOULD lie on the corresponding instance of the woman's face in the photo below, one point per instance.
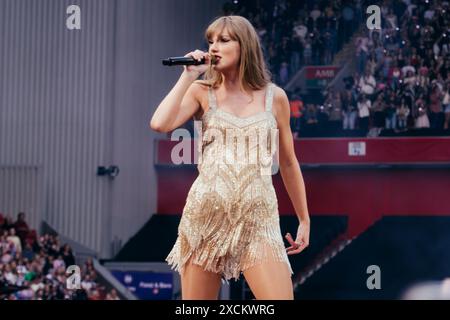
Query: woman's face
(226, 49)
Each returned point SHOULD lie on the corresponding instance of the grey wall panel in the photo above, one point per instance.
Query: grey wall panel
(55, 87)
(71, 100)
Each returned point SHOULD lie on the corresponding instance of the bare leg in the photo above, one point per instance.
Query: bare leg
(270, 280)
(198, 284)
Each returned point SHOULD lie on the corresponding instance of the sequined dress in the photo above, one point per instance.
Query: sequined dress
(230, 221)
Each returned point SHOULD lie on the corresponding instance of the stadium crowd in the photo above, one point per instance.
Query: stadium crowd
(402, 77)
(34, 267)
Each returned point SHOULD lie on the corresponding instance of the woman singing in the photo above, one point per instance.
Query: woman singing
(230, 222)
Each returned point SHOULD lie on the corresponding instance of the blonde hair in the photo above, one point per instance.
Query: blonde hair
(253, 72)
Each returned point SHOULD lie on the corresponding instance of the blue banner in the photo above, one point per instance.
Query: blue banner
(147, 285)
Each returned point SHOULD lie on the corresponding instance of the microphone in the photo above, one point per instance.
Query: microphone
(185, 61)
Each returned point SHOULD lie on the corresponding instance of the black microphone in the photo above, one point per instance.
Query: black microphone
(185, 61)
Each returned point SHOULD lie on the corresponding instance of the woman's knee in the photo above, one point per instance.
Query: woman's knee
(270, 281)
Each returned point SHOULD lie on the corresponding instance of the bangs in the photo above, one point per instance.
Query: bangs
(218, 26)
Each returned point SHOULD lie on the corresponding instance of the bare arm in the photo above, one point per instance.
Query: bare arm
(291, 174)
(177, 107)
(182, 102)
(289, 166)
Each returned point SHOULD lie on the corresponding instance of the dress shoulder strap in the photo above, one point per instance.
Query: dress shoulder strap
(212, 102)
(269, 97)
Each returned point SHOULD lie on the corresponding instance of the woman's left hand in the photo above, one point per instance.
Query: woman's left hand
(302, 240)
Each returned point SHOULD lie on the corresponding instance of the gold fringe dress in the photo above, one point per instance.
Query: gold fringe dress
(230, 221)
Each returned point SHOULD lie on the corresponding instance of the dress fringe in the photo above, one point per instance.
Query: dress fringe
(212, 257)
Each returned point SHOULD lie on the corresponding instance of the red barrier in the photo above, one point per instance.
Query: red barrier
(345, 150)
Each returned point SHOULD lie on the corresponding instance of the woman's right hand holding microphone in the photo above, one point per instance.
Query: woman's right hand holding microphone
(194, 71)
